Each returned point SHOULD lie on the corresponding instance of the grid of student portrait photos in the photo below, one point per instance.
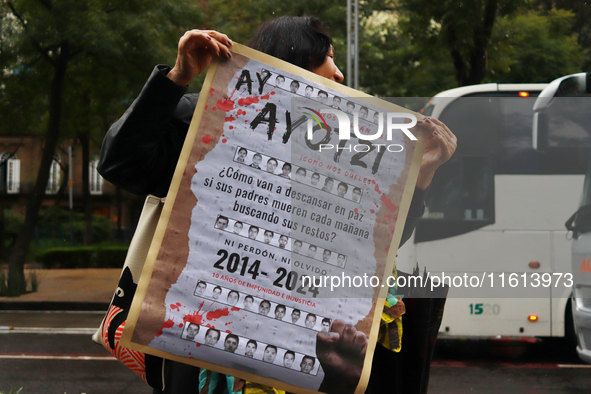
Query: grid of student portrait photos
(301, 175)
(281, 241)
(301, 88)
(246, 347)
(272, 310)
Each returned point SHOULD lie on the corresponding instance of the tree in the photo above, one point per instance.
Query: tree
(60, 50)
(534, 46)
(464, 28)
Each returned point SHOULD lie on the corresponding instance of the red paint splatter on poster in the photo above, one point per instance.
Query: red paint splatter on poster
(356, 210)
(231, 127)
(391, 207)
(194, 317)
(225, 105)
(167, 324)
(266, 97)
(234, 309)
(206, 107)
(214, 315)
(228, 331)
(197, 344)
(392, 228)
(211, 91)
(207, 139)
(240, 112)
(388, 218)
(175, 307)
(181, 325)
(230, 119)
(372, 211)
(272, 93)
(377, 189)
(213, 108)
(248, 101)
(224, 141)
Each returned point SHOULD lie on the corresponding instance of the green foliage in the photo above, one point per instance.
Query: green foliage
(53, 227)
(112, 45)
(83, 257)
(12, 391)
(534, 46)
(391, 65)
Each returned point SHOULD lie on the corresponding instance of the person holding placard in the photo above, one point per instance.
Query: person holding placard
(141, 150)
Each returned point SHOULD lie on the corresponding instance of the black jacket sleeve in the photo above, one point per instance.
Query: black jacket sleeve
(141, 150)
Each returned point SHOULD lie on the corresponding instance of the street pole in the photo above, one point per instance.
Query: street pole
(356, 45)
(353, 44)
(349, 49)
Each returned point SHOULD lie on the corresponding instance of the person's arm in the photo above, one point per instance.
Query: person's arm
(440, 146)
(141, 150)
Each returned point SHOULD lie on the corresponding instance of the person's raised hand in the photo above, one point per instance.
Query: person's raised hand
(440, 146)
(341, 353)
(197, 48)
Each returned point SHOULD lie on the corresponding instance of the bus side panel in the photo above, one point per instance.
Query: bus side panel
(496, 316)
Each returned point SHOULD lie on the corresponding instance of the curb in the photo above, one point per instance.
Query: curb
(54, 306)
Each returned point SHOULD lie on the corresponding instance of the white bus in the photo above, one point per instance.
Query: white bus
(562, 121)
(498, 206)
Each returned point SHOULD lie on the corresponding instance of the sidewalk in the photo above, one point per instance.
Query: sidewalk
(68, 287)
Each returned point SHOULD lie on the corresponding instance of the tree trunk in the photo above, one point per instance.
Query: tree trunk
(16, 261)
(471, 67)
(86, 198)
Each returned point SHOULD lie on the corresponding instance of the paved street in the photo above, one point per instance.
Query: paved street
(51, 352)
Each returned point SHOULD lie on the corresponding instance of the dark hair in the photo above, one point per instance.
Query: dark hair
(232, 336)
(247, 297)
(326, 320)
(300, 40)
(289, 352)
(253, 342)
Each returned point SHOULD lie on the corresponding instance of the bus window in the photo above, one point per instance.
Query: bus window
(461, 196)
(564, 154)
